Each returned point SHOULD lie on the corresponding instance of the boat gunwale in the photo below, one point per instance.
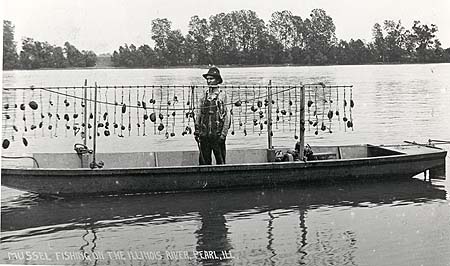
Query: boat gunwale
(405, 157)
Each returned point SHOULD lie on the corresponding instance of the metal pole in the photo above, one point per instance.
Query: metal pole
(85, 113)
(95, 127)
(302, 121)
(269, 115)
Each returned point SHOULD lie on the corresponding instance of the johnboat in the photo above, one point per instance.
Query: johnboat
(87, 172)
(60, 174)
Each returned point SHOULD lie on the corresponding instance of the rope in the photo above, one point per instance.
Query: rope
(175, 86)
(285, 89)
(22, 157)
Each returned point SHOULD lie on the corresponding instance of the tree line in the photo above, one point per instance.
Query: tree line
(242, 38)
(37, 54)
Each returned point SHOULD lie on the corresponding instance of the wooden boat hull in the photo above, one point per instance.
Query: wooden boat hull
(72, 182)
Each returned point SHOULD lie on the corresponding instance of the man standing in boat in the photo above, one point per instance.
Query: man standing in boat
(212, 120)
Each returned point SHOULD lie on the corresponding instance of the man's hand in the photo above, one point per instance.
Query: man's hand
(196, 136)
(222, 137)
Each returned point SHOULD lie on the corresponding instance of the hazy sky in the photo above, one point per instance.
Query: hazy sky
(104, 25)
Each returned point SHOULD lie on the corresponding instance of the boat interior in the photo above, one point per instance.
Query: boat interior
(190, 158)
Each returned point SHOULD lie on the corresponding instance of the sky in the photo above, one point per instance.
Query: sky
(103, 25)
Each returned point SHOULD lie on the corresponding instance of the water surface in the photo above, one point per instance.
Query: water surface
(366, 223)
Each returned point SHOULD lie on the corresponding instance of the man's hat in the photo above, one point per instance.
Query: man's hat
(214, 72)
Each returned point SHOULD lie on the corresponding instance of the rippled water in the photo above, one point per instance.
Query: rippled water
(382, 223)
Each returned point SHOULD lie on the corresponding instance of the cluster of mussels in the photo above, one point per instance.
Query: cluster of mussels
(257, 112)
(6, 107)
(318, 117)
(247, 112)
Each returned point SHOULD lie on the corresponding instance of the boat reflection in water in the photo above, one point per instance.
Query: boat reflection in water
(295, 225)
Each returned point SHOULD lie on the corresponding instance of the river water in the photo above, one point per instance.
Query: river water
(371, 223)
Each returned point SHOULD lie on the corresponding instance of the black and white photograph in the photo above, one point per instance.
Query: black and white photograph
(199, 132)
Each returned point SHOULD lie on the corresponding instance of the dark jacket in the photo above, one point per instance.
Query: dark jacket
(213, 118)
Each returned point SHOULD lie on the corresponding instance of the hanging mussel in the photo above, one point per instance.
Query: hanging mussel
(289, 111)
(167, 112)
(153, 114)
(124, 109)
(153, 117)
(324, 101)
(184, 132)
(33, 105)
(232, 113)
(190, 113)
(240, 108)
(283, 110)
(259, 103)
(160, 127)
(24, 141)
(296, 110)
(115, 125)
(91, 115)
(175, 101)
(106, 132)
(129, 112)
(98, 114)
(330, 115)
(160, 115)
(337, 108)
(66, 115)
(277, 109)
(245, 113)
(253, 108)
(330, 112)
(6, 143)
(58, 117)
(138, 124)
(316, 122)
(345, 107)
(75, 127)
(22, 107)
(352, 104)
(309, 104)
(144, 105)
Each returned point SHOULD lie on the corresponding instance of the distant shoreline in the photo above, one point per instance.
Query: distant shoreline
(220, 66)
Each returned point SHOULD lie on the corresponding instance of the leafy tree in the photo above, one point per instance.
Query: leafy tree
(29, 58)
(394, 40)
(161, 29)
(197, 40)
(149, 56)
(175, 52)
(379, 43)
(320, 37)
(248, 29)
(288, 31)
(90, 58)
(270, 50)
(358, 52)
(424, 35)
(223, 41)
(10, 56)
(74, 57)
